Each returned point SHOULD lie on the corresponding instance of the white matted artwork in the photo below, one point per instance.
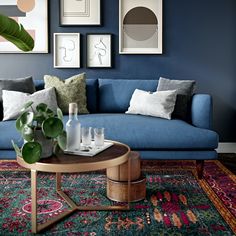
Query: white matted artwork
(140, 26)
(33, 15)
(99, 50)
(80, 12)
(66, 50)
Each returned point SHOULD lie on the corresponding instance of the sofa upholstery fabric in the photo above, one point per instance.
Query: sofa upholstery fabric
(115, 94)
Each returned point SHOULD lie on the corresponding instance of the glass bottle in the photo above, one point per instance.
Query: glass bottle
(73, 129)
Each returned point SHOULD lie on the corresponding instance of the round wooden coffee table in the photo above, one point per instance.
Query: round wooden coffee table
(63, 163)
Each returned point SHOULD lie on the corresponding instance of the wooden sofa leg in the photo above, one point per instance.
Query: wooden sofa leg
(200, 167)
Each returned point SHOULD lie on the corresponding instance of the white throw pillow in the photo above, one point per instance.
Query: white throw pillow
(159, 104)
(14, 101)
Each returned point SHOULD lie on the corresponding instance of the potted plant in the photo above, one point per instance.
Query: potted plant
(42, 131)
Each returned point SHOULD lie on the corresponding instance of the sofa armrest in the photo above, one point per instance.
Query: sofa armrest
(201, 111)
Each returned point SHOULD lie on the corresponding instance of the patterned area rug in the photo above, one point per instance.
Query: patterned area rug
(176, 202)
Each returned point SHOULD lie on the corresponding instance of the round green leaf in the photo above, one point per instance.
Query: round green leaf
(59, 114)
(42, 107)
(27, 105)
(27, 133)
(61, 139)
(26, 118)
(52, 127)
(31, 152)
(49, 113)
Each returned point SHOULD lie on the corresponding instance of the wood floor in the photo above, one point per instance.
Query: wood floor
(228, 160)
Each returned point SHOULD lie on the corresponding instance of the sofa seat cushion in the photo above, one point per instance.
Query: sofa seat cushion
(144, 132)
(139, 132)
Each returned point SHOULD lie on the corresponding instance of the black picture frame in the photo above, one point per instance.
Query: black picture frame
(70, 20)
(105, 45)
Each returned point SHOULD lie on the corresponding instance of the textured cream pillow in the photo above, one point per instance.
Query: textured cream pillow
(14, 101)
(70, 90)
(158, 104)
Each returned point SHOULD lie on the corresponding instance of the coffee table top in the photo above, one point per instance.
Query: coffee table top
(64, 163)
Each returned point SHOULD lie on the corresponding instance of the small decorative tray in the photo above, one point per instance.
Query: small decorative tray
(91, 151)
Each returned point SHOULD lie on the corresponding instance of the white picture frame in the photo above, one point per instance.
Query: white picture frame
(33, 17)
(66, 50)
(98, 50)
(140, 26)
(80, 12)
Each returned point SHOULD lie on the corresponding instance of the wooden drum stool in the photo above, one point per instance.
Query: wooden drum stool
(117, 181)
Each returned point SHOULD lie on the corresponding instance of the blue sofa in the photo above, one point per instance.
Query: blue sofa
(154, 138)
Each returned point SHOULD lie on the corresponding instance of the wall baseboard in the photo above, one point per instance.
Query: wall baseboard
(226, 148)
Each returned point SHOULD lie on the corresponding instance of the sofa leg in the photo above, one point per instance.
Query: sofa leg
(200, 167)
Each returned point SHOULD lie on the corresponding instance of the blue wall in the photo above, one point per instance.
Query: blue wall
(199, 43)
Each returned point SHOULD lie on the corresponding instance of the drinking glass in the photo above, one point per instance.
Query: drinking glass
(86, 133)
(99, 137)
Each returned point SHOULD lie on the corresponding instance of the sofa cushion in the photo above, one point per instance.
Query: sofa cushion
(139, 132)
(115, 94)
(147, 133)
(24, 85)
(158, 104)
(91, 92)
(70, 90)
(185, 89)
(14, 101)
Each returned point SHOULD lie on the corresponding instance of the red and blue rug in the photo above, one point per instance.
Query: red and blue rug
(176, 203)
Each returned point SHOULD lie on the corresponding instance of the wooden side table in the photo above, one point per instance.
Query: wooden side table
(113, 156)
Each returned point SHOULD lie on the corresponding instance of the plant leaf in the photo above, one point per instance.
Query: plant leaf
(27, 133)
(42, 107)
(16, 34)
(17, 149)
(59, 114)
(49, 113)
(52, 127)
(25, 118)
(26, 106)
(31, 152)
(61, 139)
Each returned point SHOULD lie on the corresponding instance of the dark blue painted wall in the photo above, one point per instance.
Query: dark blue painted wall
(199, 43)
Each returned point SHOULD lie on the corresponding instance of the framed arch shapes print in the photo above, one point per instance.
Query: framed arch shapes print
(140, 27)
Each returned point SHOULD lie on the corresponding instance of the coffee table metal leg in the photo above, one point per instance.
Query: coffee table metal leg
(34, 200)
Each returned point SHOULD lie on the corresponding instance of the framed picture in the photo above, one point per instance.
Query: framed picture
(80, 12)
(99, 48)
(33, 15)
(140, 27)
(66, 50)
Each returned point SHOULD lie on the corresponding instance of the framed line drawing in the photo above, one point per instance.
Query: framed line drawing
(66, 50)
(98, 48)
(33, 15)
(80, 12)
(140, 27)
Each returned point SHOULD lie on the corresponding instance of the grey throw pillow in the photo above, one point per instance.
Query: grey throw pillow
(25, 85)
(14, 101)
(185, 89)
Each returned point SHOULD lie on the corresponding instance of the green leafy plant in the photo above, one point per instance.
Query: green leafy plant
(16, 34)
(32, 120)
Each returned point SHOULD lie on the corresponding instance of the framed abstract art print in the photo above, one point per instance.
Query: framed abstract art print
(33, 15)
(80, 12)
(99, 47)
(66, 50)
(140, 27)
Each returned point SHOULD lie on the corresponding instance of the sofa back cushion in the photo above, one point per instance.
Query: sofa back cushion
(115, 94)
(91, 92)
